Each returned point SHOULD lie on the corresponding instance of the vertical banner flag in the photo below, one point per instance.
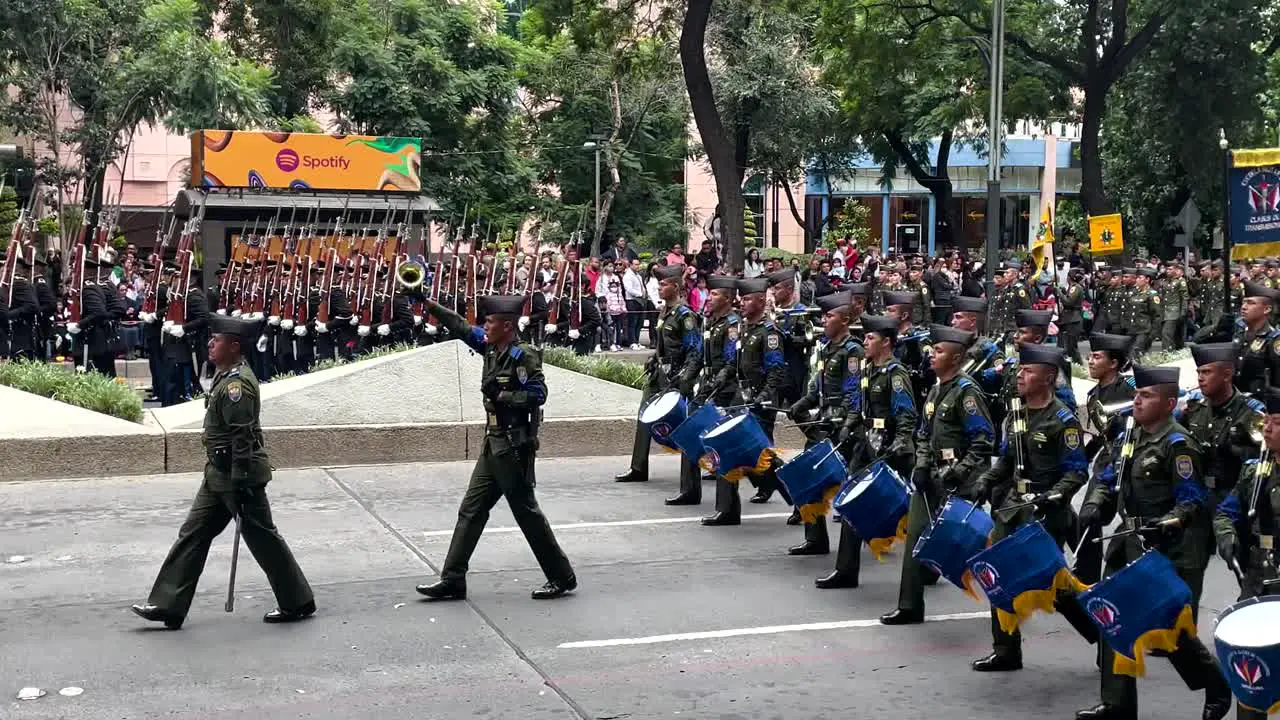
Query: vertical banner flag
(1042, 245)
(1106, 234)
(1253, 203)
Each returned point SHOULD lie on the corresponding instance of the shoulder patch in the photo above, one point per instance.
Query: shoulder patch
(971, 405)
(235, 391)
(1022, 293)
(1176, 437)
(1255, 405)
(516, 353)
(690, 322)
(853, 365)
(965, 382)
(1128, 380)
(522, 375)
(772, 342)
(1183, 466)
(733, 332)
(898, 384)
(1071, 438)
(1064, 415)
(1275, 346)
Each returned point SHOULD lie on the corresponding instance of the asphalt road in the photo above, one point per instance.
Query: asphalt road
(694, 622)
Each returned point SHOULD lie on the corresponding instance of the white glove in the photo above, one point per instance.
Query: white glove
(300, 331)
(549, 328)
(430, 329)
(73, 328)
(80, 369)
(273, 320)
(355, 319)
(574, 334)
(221, 311)
(363, 331)
(177, 331)
(286, 324)
(384, 330)
(255, 316)
(167, 324)
(144, 317)
(321, 327)
(236, 313)
(523, 323)
(417, 319)
(262, 343)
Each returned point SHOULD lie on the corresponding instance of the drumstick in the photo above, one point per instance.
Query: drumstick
(1083, 536)
(1239, 573)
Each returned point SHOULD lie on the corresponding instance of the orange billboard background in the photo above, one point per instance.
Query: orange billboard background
(305, 161)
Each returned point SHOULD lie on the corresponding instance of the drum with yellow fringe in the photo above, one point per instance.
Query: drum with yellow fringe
(874, 502)
(662, 415)
(1247, 637)
(960, 531)
(813, 478)
(687, 437)
(736, 446)
(1023, 573)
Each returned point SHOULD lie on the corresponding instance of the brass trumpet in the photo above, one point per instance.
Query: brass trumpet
(410, 274)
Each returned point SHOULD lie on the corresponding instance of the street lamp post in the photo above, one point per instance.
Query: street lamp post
(593, 146)
(1225, 146)
(993, 140)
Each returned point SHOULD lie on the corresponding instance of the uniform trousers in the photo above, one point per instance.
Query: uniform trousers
(503, 470)
(209, 515)
(690, 475)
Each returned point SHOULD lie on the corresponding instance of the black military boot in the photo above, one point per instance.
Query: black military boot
(810, 547)
(630, 476)
(444, 590)
(1105, 711)
(998, 662)
(1217, 700)
(280, 615)
(684, 499)
(721, 518)
(902, 617)
(155, 614)
(835, 580)
(794, 517)
(555, 588)
(762, 496)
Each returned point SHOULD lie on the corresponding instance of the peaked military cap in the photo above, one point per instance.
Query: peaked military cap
(1033, 318)
(171, 266)
(1148, 272)
(501, 304)
(1254, 290)
(1129, 271)
(1206, 353)
(861, 289)
(1158, 375)
(781, 276)
(752, 286)
(1270, 399)
(227, 325)
(881, 325)
(1041, 355)
(899, 297)
(1113, 343)
(722, 282)
(942, 333)
(1010, 265)
(669, 272)
(835, 301)
(964, 303)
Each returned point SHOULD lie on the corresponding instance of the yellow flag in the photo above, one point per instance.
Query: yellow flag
(1106, 234)
(1042, 245)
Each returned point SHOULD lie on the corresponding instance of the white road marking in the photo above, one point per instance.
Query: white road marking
(613, 523)
(767, 630)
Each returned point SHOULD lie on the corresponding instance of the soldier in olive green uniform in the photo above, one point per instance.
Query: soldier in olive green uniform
(1157, 490)
(1259, 342)
(1070, 314)
(920, 309)
(1142, 312)
(887, 421)
(1122, 296)
(1210, 302)
(832, 404)
(675, 364)
(1010, 296)
(1175, 298)
(953, 444)
(912, 346)
(1040, 468)
(1108, 357)
(718, 378)
(762, 373)
(970, 314)
(859, 292)
(514, 392)
(1221, 419)
(235, 484)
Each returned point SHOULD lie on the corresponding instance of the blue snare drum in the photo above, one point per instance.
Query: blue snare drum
(735, 446)
(812, 478)
(1022, 573)
(961, 531)
(1247, 637)
(1142, 607)
(687, 436)
(874, 502)
(663, 414)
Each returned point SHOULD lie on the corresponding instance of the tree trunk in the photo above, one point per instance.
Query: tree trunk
(1092, 195)
(795, 213)
(937, 182)
(611, 153)
(715, 141)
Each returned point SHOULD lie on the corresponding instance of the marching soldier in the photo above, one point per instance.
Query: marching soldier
(920, 312)
(1164, 504)
(1259, 342)
(153, 339)
(514, 392)
(235, 487)
(1210, 304)
(1041, 467)
(1070, 317)
(1143, 311)
(23, 314)
(953, 443)
(1121, 304)
(48, 309)
(859, 292)
(400, 329)
(718, 381)
(179, 347)
(581, 339)
(1221, 419)
(1108, 357)
(832, 404)
(912, 346)
(762, 374)
(1175, 297)
(970, 315)
(1010, 296)
(888, 418)
(792, 318)
(675, 363)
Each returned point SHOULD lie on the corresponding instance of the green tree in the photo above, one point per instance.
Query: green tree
(8, 215)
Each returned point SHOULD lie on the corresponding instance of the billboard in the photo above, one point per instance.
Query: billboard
(1253, 202)
(305, 161)
(1106, 234)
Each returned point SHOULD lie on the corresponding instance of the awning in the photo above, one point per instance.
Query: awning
(239, 206)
